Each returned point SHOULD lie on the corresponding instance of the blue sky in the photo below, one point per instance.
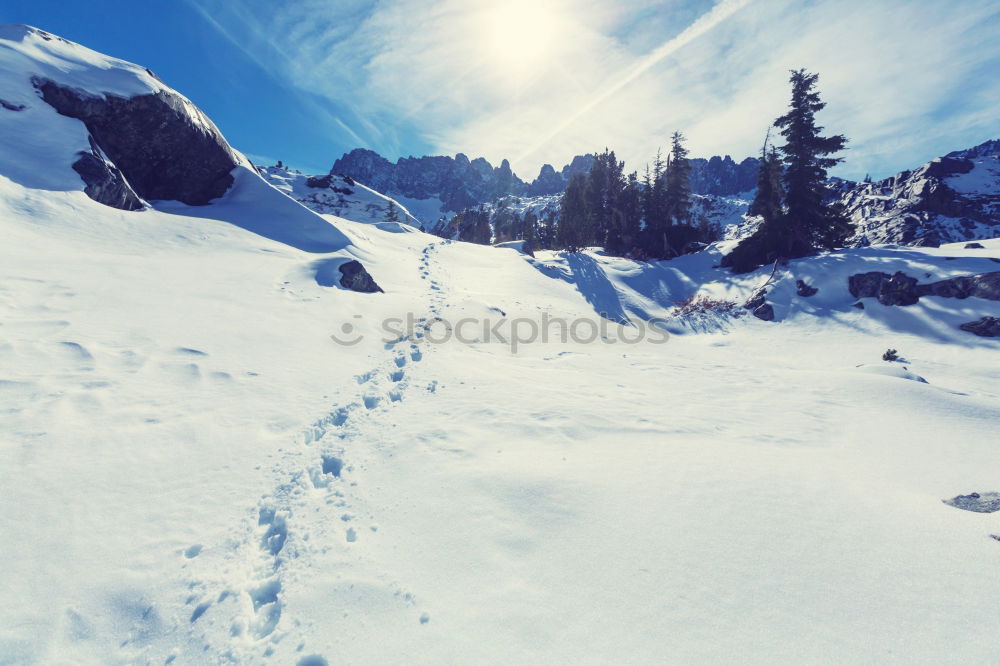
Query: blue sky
(542, 80)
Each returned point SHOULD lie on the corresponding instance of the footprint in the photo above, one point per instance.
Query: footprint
(267, 607)
(332, 465)
(416, 355)
(395, 396)
(397, 375)
(199, 611)
(193, 551)
(371, 401)
(190, 351)
(277, 531)
(312, 660)
(400, 361)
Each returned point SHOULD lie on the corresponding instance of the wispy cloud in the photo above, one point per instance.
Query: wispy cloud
(904, 81)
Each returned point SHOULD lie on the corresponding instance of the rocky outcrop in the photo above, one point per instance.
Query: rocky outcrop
(104, 183)
(353, 276)
(722, 176)
(901, 289)
(164, 146)
(758, 307)
(952, 198)
(987, 327)
(804, 290)
(978, 502)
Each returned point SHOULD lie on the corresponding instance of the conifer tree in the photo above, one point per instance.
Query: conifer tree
(677, 183)
(631, 213)
(572, 233)
(390, 213)
(530, 229)
(807, 222)
(811, 223)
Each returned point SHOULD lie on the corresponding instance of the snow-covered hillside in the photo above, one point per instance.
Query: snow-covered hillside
(210, 452)
(949, 199)
(337, 195)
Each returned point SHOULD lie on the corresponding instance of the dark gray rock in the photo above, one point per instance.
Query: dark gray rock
(859, 305)
(165, 148)
(974, 246)
(758, 307)
(978, 502)
(865, 285)
(896, 289)
(987, 327)
(765, 312)
(985, 285)
(353, 276)
(900, 289)
(10, 106)
(804, 290)
(104, 183)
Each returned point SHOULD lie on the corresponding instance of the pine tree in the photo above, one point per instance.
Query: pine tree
(767, 202)
(677, 185)
(572, 232)
(807, 222)
(811, 223)
(631, 209)
(530, 229)
(390, 213)
(547, 231)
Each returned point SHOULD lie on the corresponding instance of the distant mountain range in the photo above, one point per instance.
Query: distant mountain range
(459, 182)
(952, 198)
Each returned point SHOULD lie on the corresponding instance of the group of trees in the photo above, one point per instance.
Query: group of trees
(653, 218)
(602, 207)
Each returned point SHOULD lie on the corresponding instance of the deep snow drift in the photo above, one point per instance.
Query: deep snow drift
(194, 471)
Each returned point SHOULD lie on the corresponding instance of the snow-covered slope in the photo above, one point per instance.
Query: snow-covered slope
(337, 195)
(951, 198)
(209, 456)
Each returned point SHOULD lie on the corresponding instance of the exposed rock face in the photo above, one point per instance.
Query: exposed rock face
(722, 176)
(974, 246)
(758, 307)
(900, 289)
(104, 182)
(978, 502)
(460, 183)
(353, 276)
(804, 290)
(165, 147)
(950, 199)
(987, 327)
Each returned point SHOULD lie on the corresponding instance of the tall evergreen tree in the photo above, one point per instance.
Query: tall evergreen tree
(807, 222)
(767, 202)
(677, 183)
(811, 223)
(572, 232)
(530, 229)
(631, 213)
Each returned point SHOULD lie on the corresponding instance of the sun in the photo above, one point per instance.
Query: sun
(520, 36)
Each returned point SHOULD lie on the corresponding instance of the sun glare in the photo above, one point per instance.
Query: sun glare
(519, 36)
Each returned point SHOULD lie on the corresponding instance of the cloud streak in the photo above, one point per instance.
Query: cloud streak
(905, 83)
